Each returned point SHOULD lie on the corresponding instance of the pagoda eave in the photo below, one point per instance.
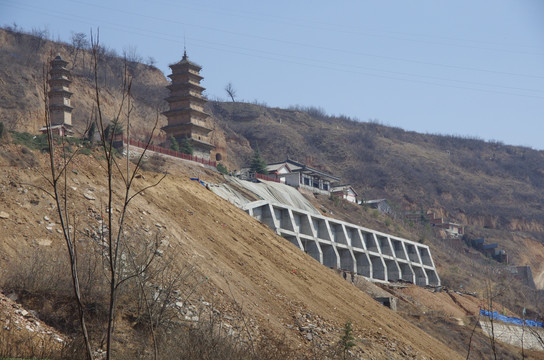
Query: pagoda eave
(60, 107)
(186, 126)
(175, 98)
(61, 91)
(202, 144)
(186, 110)
(194, 76)
(184, 64)
(174, 87)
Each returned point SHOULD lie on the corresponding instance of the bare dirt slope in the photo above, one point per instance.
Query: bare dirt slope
(276, 285)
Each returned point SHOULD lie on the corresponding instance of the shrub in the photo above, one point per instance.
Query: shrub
(346, 341)
(222, 168)
(186, 147)
(174, 144)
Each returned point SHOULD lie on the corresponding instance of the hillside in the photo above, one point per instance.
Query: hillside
(493, 189)
(251, 281)
(244, 262)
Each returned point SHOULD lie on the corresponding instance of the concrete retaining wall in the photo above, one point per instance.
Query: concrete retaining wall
(341, 245)
(527, 336)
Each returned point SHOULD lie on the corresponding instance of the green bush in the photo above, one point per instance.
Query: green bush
(174, 144)
(85, 151)
(222, 168)
(35, 142)
(186, 147)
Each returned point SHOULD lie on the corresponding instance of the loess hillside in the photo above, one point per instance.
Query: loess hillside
(262, 287)
(249, 271)
(494, 190)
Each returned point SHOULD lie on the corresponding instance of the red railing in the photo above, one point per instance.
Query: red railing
(267, 178)
(165, 151)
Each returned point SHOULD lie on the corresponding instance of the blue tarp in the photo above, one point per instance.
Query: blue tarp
(198, 180)
(511, 320)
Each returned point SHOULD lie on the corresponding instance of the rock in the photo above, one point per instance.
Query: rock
(46, 218)
(309, 336)
(89, 196)
(22, 312)
(4, 215)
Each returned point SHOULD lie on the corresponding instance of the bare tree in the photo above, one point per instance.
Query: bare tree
(231, 92)
(130, 53)
(159, 282)
(58, 182)
(115, 174)
(79, 43)
(123, 174)
(151, 61)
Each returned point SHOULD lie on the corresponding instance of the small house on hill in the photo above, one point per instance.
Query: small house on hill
(379, 204)
(452, 230)
(298, 175)
(490, 250)
(345, 192)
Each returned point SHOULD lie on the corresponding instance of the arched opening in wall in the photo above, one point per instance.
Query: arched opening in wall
(218, 157)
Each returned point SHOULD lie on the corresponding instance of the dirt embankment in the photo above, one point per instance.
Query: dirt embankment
(278, 287)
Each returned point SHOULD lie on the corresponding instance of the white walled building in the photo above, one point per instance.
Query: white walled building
(298, 175)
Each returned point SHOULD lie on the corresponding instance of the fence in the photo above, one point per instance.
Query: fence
(512, 320)
(170, 152)
(267, 178)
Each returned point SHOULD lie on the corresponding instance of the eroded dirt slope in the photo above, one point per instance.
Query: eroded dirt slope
(276, 286)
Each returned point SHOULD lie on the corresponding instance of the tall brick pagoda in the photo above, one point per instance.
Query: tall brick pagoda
(186, 116)
(60, 110)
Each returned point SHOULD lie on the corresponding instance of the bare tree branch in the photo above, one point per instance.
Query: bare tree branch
(231, 92)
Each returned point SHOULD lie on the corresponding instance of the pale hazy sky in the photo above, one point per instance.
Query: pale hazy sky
(463, 67)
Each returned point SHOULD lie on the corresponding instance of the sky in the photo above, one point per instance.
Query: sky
(466, 68)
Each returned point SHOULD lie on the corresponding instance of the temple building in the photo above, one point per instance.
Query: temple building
(301, 176)
(60, 110)
(186, 116)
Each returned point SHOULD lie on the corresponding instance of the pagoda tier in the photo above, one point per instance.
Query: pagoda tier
(187, 77)
(189, 112)
(196, 89)
(173, 99)
(202, 130)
